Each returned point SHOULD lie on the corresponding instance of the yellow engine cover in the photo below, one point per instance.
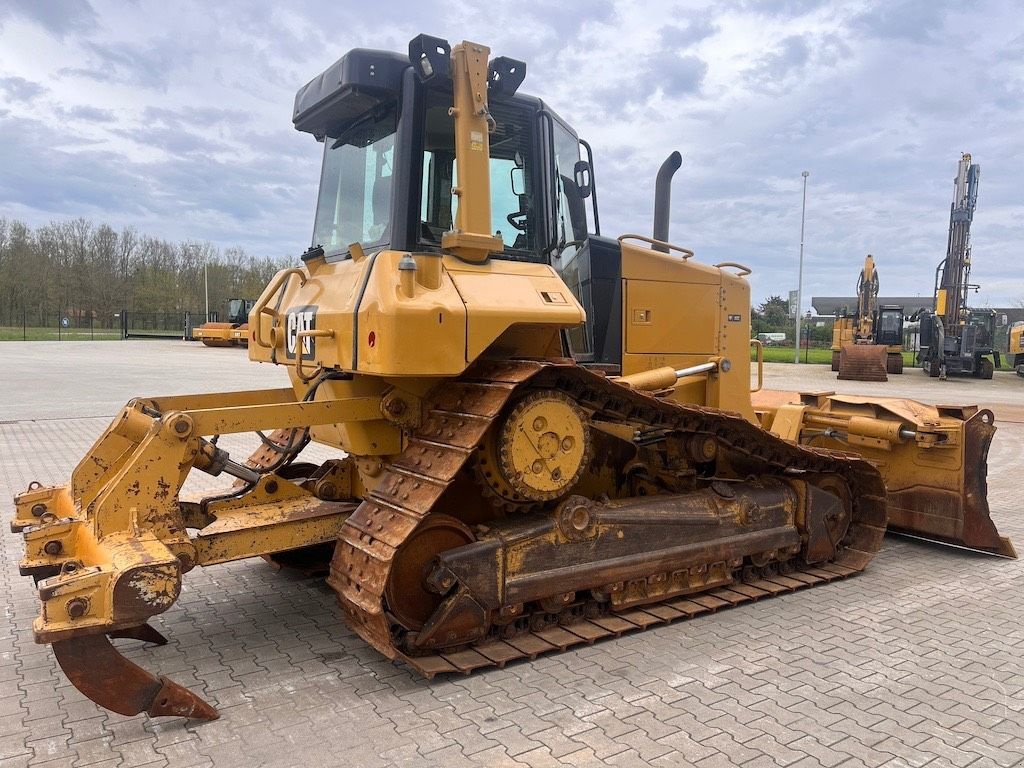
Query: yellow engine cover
(394, 314)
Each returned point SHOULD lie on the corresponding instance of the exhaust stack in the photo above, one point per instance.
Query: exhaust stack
(663, 198)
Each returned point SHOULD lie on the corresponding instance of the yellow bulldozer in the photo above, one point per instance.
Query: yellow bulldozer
(543, 436)
(867, 345)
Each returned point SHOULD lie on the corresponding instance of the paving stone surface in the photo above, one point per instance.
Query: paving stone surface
(917, 662)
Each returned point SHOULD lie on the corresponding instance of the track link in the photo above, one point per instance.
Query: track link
(458, 416)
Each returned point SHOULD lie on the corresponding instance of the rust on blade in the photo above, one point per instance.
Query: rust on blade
(962, 519)
(106, 677)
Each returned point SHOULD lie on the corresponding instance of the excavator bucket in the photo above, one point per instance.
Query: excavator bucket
(934, 459)
(863, 362)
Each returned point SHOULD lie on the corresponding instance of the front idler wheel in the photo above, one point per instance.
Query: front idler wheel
(410, 598)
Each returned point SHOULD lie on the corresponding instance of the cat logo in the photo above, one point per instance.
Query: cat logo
(297, 320)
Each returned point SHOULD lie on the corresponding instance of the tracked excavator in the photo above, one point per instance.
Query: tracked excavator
(868, 345)
(544, 436)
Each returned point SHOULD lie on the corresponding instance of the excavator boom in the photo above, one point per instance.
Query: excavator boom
(864, 348)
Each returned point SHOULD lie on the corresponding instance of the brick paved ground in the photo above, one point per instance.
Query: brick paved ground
(920, 661)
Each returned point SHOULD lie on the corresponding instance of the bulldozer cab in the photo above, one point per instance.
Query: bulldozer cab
(389, 176)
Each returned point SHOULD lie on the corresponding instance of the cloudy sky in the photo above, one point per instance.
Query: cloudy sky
(174, 117)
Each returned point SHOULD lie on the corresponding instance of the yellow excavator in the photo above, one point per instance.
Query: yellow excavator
(868, 345)
(544, 436)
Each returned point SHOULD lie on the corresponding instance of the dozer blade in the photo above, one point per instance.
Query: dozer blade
(863, 362)
(933, 458)
(106, 677)
(959, 518)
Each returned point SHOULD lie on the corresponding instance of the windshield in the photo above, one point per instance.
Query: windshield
(983, 322)
(889, 322)
(354, 205)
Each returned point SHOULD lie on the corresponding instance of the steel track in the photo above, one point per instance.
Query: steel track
(458, 415)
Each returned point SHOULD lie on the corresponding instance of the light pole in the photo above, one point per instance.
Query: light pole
(206, 288)
(800, 274)
(807, 333)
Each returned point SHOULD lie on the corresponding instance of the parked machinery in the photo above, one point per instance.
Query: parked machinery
(543, 439)
(868, 344)
(954, 338)
(1016, 347)
(233, 333)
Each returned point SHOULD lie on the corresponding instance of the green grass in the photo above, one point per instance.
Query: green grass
(812, 356)
(824, 357)
(785, 355)
(17, 333)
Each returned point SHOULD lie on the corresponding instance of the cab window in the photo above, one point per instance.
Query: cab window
(513, 216)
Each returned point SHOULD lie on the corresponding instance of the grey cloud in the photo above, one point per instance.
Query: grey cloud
(692, 31)
(59, 17)
(88, 180)
(173, 141)
(191, 193)
(872, 124)
(914, 20)
(87, 114)
(1013, 50)
(148, 65)
(771, 70)
(192, 117)
(20, 89)
(680, 75)
(781, 8)
(831, 49)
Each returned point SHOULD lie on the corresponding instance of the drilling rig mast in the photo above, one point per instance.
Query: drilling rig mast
(955, 338)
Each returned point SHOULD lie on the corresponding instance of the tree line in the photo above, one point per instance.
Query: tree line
(773, 316)
(90, 272)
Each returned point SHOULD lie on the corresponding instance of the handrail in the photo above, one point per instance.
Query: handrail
(760, 364)
(300, 342)
(263, 308)
(744, 270)
(687, 253)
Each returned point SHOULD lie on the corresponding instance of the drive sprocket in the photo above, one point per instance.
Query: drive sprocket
(538, 451)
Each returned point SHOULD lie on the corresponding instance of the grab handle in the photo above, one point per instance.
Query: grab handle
(743, 270)
(687, 253)
(300, 342)
(263, 307)
(760, 364)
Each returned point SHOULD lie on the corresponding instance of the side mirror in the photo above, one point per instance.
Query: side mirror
(518, 180)
(431, 58)
(582, 177)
